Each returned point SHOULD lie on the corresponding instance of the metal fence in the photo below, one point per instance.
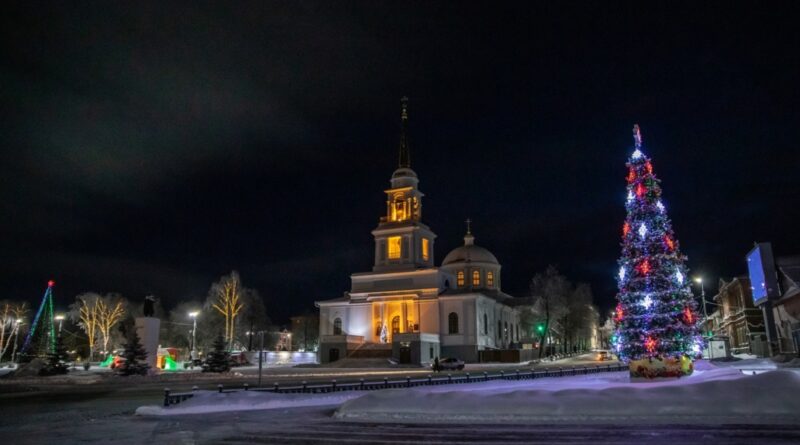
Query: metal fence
(408, 382)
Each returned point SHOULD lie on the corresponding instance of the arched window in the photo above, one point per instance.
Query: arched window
(452, 323)
(489, 279)
(337, 326)
(517, 332)
(396, 324)
(506, 331)
(499, 329)
(485, 325)
(476, 278)
(460, 278)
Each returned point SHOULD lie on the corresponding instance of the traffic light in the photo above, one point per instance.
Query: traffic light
(540, 328)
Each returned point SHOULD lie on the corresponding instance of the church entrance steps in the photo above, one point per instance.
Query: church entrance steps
(371, 350)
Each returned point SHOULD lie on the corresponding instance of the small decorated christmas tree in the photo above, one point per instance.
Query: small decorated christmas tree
(56, 360)
(218, 360)
(134, 356)
(656, 314)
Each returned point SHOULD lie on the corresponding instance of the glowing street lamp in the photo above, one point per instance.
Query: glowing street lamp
(60, 319)
(699, 280)
(192, 354)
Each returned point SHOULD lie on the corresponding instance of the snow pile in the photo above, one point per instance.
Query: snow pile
(715, 396)
(213, 401)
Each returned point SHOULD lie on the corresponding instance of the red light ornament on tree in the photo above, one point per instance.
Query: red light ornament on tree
(640, 190)
(626, 228)
(687, 313)
(650, 344)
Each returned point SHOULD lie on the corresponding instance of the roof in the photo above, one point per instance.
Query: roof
(469, 253)
(494, 294)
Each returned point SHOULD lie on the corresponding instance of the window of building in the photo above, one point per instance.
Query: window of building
(337, 326)
(452, 323)
(489, 279)
(476, 278)
(517, 328)
(485, 325)
(396, 324)
(430, 353)
(499, 329)
(425, 249)
(460, 278)
(395, 248)
(506, 331)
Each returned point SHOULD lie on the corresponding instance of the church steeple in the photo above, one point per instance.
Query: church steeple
(402, 241)
(405, 153)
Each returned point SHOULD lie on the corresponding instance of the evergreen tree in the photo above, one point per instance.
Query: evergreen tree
(134, 357)
(656, 313)
(218, 360)
(56, 359)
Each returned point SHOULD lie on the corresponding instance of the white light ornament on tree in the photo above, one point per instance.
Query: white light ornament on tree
(660, 206)
(679, 277)
(647, 302)
(630, 197)
(642, 231)
(622, 273)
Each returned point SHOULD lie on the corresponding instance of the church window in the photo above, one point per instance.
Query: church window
(394, 246)
(452, 323)
(337, 326)
(396, 324)
(499, 329)
(476, 278)
(485, 325)
(506, 331)
(425, 249)
(489, 279)
(517, 329)
(460, 278)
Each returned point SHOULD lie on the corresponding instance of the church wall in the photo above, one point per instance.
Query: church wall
(465, 308)
(429, 316)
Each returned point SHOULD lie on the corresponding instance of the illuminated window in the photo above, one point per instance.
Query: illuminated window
(476, 278)
(489, 279)
(337, 326)
(460, 278)
(399, 209)
(396, 324)
(452, 323)
(425, 252)
(394, 247)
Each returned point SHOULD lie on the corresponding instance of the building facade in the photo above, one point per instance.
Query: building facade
(408, 308)
(738, 319)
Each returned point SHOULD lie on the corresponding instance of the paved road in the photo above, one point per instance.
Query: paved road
(103, 413)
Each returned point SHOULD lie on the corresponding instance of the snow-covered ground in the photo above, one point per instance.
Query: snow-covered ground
(720, 395)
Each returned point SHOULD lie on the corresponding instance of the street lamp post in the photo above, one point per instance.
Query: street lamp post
(60, 319)
(192, 354)
(17, 324)
(699, 280)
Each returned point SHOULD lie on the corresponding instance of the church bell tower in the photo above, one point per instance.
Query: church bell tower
(402, 241)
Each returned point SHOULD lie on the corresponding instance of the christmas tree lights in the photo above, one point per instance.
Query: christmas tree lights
(656, 312)
(41, 339)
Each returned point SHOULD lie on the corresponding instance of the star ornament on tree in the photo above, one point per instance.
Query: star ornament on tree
(650, 344)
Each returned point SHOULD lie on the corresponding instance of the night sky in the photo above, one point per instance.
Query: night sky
(151, 149)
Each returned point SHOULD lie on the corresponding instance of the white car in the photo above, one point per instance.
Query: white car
(450, 364)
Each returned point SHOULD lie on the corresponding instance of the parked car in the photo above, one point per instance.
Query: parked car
(604, 355)
(450, 363)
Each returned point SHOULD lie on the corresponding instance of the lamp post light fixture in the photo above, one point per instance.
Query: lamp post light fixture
(60, 319)
(17, 324)
(192, 353)
(699, 280)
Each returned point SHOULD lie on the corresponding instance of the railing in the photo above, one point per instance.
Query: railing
(304, 387)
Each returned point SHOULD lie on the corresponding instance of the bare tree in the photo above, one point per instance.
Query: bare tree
(109, 310)
(225, 297)
(550, 291)
(9, 327)
(84, 312)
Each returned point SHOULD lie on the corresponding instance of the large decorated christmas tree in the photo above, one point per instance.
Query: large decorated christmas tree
(656, 314)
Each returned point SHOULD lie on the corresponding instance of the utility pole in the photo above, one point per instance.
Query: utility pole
(260, 355)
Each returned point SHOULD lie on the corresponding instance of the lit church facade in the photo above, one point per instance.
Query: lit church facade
(408, 308)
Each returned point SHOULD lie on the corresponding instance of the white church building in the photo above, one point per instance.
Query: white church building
(408, 308)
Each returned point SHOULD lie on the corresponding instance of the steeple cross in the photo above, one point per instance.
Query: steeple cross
(468, 221)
